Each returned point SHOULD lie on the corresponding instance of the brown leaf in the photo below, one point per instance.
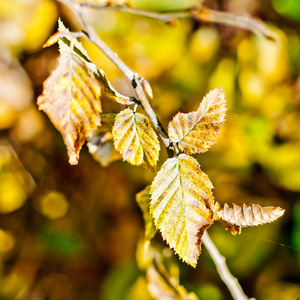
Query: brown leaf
(71, 100)
(248, 214)
(197, 131)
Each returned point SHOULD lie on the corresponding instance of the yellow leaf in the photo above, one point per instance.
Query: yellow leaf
(135, 139)
(101, 143)
(180, 204)
(64, 46)
(161, 286)
(197, 131)
(71, 100)
(248, 214)
(143, 199)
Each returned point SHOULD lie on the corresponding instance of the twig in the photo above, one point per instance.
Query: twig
(161, 17)
(137, 83)
(133, 77)
(254, 25)
(201, 14)
(220, 262)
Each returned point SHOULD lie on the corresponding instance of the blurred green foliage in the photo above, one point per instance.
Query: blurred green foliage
(290, 8)
(71, 232)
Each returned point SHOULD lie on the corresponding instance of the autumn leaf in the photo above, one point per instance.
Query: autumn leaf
(197, 131)
(143, 199)
(110, 91)
(101, 143)
(135, 139)
(180, 205)
(71, 100)
(69, 43)
(247, 214)
(161, 286)
(66, 42)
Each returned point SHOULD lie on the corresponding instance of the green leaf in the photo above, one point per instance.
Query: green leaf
(71, 100)
(143, 199)
(135, 139)
(197, 131)
(180, 204)
(101, 143)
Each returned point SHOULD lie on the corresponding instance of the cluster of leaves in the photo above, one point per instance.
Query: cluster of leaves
(180, 198)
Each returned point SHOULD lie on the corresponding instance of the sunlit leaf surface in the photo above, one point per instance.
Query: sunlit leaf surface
(197, 131)
(248, 214)
(135, 139)
(143, 199)
(181, 201)
(71, 100)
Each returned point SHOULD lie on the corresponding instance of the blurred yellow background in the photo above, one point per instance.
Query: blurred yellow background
(71, 232)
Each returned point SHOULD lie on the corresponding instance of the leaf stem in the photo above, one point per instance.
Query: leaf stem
(220, 262)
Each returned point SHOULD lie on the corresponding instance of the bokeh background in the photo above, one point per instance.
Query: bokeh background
(71, 232)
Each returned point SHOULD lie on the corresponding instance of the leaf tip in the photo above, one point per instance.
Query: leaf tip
(73, 160)
(53, 39)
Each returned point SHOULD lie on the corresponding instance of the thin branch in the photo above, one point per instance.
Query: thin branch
(161, 17)
(138, 83)
(133, 77)
(201, 14)
(254, 25)
(220, 262)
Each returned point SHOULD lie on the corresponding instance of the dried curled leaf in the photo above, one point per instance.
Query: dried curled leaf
(101, 143)
(66, 42)
(135, 139)
(110, 91)
(143, 199)
(197, 131)
(248, 214)
(71, 100)
(180, 205)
